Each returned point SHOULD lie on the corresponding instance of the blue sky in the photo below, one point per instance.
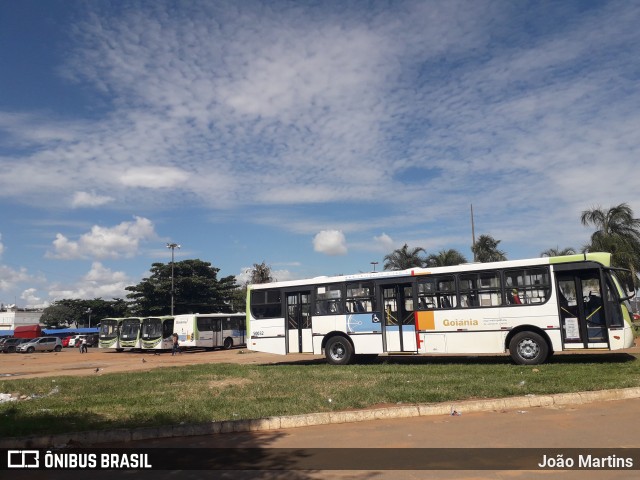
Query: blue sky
(314, 136)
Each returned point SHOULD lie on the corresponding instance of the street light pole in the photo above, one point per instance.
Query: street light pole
(173, 247)
(89, 312)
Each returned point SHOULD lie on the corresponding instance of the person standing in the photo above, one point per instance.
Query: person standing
(176, 345)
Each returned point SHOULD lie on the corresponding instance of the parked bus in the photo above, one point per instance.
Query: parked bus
(156, 333)
(109, 334)
(130, 333)
(530, 308)
(211, 330)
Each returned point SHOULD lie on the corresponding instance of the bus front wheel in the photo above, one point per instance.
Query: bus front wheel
(528, 348)
(228, 343)
(338, 351)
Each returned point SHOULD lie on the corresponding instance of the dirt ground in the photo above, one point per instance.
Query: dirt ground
(98, 361)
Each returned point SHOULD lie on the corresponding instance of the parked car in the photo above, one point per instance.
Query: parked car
(10, 344)
(65, 341)
(40, 344)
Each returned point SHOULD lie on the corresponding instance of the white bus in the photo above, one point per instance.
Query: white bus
(130, 333)
(156, 333)
(530, 308)
(109, 333)
(210, 330)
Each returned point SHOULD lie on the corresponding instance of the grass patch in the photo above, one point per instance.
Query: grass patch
(203, 393)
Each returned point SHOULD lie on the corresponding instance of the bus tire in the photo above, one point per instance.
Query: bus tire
(228, 343)
(338, 351)
(528, 348)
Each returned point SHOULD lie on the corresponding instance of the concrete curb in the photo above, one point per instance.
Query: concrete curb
(83, 439)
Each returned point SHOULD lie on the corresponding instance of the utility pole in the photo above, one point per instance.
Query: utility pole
(473, 235)
(173, 247)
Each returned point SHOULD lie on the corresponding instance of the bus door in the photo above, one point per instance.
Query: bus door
(582, 309)
(299, 339)
(399, 319)
(216, 327)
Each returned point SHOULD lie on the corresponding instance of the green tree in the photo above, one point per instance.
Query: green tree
(403, 258)
(445, 258)
(558, 252)
(77, 311)
(57, 316)
(486, 250)
(617, 232)
(197, 289)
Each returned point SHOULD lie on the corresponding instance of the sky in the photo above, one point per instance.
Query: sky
(316, 137)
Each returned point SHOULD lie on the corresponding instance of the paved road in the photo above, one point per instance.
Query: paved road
(613, 424)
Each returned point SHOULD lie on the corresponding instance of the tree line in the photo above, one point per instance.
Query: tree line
(197, 288)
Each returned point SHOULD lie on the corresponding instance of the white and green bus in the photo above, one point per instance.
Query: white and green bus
(156, 333)
(109, 333)
(530, 308)
(131, 333)
(210, 330)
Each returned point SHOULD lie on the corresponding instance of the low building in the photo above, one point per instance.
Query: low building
(12, 318)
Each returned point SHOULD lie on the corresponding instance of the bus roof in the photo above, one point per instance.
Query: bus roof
(600, 257)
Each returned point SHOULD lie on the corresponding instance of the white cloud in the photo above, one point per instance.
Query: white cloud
(10, 278)
(32, 300)
(89, 199)
(384, 243)
(99, 282)
(330, 242)
(153, 177)
(123, 240)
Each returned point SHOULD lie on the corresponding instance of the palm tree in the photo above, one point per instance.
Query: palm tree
(403, 258)
(486, 250)
(558, 252)
(618, 233)
(445, 258)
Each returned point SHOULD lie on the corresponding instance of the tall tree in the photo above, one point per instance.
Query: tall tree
(617, 232)
(57, 316)
(403, 258)
(558, 252)
(445, 258)
(261, 273)
(486, 250)
(196, 289)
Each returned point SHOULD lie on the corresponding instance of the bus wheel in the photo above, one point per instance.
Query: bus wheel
(338, 351)
(228, 343)
(528, 348)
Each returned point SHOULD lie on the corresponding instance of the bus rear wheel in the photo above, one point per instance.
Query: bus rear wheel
(338, 351)
(228, 343)
(528, 348)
